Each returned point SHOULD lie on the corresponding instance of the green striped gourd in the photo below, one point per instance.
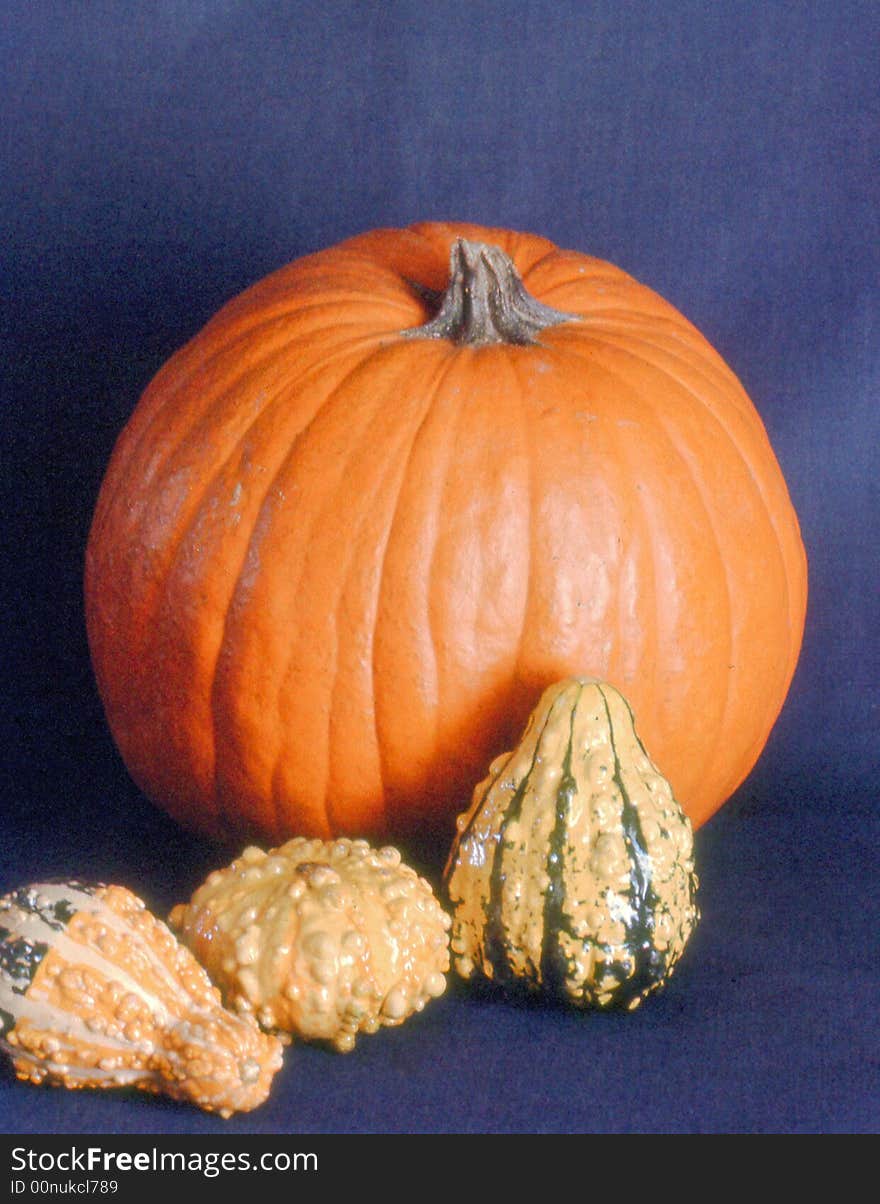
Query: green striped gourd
(572, 872)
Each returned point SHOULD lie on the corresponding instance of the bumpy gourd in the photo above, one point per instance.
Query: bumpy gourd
(321, 939)
(97, 992)
(572, 872)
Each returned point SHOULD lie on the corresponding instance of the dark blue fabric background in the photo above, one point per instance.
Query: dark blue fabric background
(158, 157)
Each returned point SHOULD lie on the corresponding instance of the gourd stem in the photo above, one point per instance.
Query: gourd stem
(485, 301)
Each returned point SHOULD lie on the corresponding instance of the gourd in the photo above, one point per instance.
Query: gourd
(320, 939)
(392, 492)
(95, 991)
(572, 873)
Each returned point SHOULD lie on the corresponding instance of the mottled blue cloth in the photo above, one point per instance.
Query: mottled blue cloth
(157, 158)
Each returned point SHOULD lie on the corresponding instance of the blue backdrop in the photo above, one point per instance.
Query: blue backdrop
(158, 157)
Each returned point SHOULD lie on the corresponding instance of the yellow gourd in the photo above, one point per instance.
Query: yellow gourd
(320, 939)
(572, 872)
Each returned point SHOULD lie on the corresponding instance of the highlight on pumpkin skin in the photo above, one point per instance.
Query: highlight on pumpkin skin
(572, 873)
(97, 992)
(319, 939)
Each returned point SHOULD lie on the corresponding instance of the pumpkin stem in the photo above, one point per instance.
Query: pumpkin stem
(485, 301)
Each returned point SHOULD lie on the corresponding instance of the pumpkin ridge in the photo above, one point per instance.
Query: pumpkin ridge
(451, 442)
(334, 824)
(729, 385)
(344, 299)
(192, 437)
(154, 597)
(634, 498)
(522, 246)
(328, 504)
(630, 300)
(287, 314)
(428, 395)
(431, 259)
(158, 597)
(687, 347)
(527, 441)
(334, 274)
(733, 391)
(446, 367)
(657, 421)
(688, 392)
(206, 417)
(133, 451)
(237, 583)
(772, 494)
(556, 257)
(549, 253)
(645, 567)
(553, 971)
(600, 270)
(723, 722)
(649, 658)
(766, 491)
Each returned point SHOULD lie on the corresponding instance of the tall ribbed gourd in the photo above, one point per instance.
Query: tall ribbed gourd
(572, 872)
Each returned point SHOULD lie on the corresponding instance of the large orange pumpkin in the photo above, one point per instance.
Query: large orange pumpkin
(356, 526)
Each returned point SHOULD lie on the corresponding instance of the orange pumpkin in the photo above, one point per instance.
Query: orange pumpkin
(357, 525)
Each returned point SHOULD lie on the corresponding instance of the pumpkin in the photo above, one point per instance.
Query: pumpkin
(392, 492)
(572, 873)
(95, 991)
(321, 939)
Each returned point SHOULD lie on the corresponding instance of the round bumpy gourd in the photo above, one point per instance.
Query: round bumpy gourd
(572, 872)
(324, 940)
(97, 992)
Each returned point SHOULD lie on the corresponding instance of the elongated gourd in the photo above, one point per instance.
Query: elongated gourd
(95, 991)
(572, 872)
